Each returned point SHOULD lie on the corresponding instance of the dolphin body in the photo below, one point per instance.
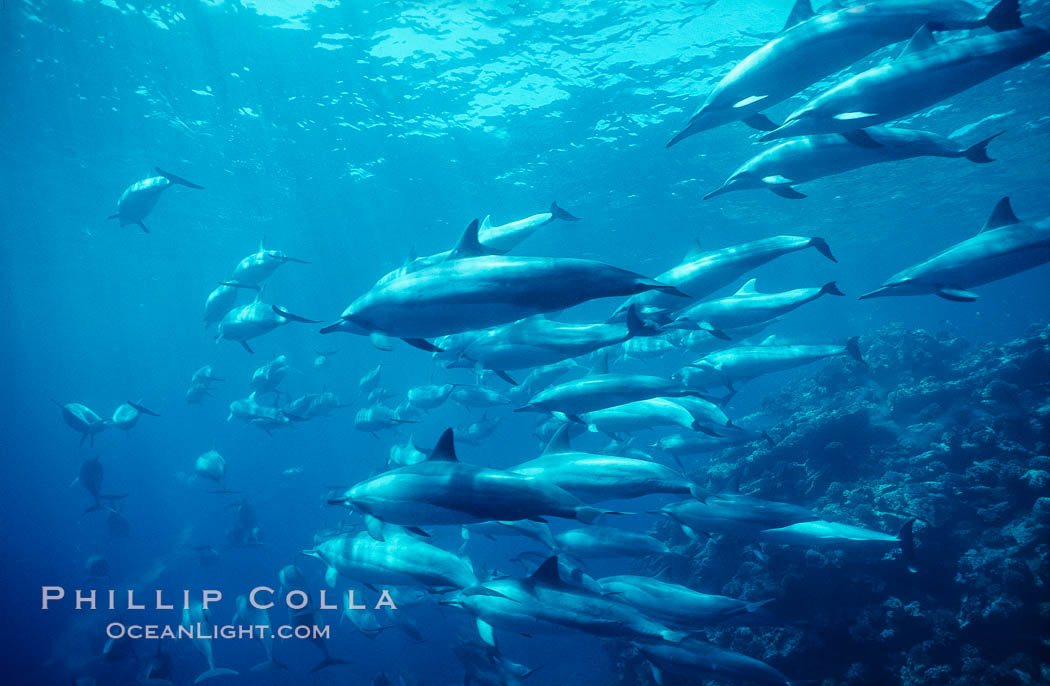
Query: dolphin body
(399, 559)
(259, 266)
(812, 47)
(249, 615)
(269, 376)
(199, 620)
(478, 396)
(602, 542)
(799, 160)
(726, 367)
(703, 273)
(221, 300)
(1004, 247)
(314, 405)
(378, 418)
(821, 532)
(543, 602)
(126, 416)
(477, 432)
(640, 415)
(139, 199)
(443, 490)
(211, 465)
(734, 514)
(680, 445)
(538, 341)
(594, 478)
(255, 319)
(474, 290)
(261, 416)
(676, 605)
(430, 397)
(696, 659)
(747, 306)
(486, 667)
(83, 420)
(924, 74)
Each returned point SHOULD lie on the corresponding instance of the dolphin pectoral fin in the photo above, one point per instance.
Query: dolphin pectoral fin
(214, 672)
(505, 376)
(417, 531)
(787, 192)
(423, 344)
(114, 216)
(143, 410)
(862, 138)
(178, 179)
(658, 676)
(143, 227)
(244, 344)
(957, 295)
(761, 122)
(331, 576)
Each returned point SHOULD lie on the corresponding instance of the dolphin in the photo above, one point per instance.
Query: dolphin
(600, 542)
(743, 363)
(924, 74)
(485, 667)
(83, 420)
(211, 465)
(314, 405)
(255, 319)
(370, 381)
(529, 528)
(430, 397)
(90, 477)
(221, 300)
(821, 532)
(703, 273)
(403, 455)
(97, 567)
(127, 415)
(259, 266)
(1005, 246)
(473, 395)
(699, 660)
(443, 490)
(602, 390)
(733, 514)
(265, 417)
(477, 432)
(539, 341)
(543, 602)
(249, 615)
(676, 605)
(799, 160)
(640, 415)
(269, 376)
(812, 47)
(679, 445)
(399, 559)
(139, 199)
(378, 418)
(474, 290)
(201, 384)
(594, 478)
(198, 620)
(747, 306)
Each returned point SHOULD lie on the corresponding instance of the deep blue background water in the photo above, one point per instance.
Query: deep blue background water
(346, 136)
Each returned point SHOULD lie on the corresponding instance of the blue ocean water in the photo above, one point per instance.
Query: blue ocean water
(350, 135)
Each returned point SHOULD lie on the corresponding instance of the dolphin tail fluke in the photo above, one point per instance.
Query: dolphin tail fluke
(822, 247)
(1005, 16)
(978, 152)
(214, 672)
(853, 348)
(907, 539)
(559, 213)
(327, 662)
(830, 288)
(143, 410)
(178, 179)
(636, 326)
(294, 317)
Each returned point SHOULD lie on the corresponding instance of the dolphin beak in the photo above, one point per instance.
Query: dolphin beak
(877, 293)
(332, 328)
(694, 127)
(311, 553)
(783, 131)
(718, 191)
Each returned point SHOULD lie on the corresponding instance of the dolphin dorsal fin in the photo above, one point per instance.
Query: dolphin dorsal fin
(922, 40)
(262, 244)
(601, 364)
(800, 12)
(468, 245)
(1002, 215)
(559, 442)
(486, 223)
(411, 256)
(694, 251)
(445, 450)
(748, 288)
(769, 340)
(547, 573)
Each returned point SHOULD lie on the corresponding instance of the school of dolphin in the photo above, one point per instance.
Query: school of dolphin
(479, 307)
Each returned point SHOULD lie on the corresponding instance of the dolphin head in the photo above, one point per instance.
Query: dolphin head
(707, 117)
(739, 181)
